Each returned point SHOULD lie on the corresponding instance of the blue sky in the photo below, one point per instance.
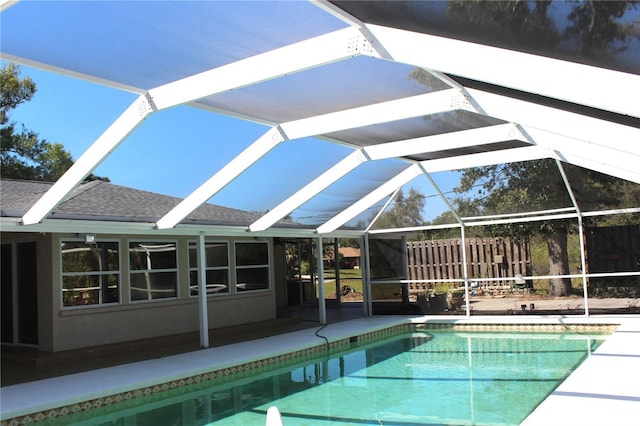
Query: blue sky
(169, 144)
(173, 151)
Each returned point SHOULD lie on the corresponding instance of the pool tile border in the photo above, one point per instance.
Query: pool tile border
(139, 396)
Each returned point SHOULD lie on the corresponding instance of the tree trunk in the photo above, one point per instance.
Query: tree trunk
(558, 264)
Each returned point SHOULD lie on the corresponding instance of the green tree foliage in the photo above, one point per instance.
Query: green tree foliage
(505, 22)
(536, 186)
(518, 187)
(405, 211)
(23, 154)
(596, 27)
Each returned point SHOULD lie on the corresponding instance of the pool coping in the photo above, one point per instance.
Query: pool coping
(56, 397)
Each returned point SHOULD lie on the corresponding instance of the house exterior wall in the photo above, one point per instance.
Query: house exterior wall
(65, 328)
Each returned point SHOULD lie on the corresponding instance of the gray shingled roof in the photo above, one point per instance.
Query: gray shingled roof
(105, 201)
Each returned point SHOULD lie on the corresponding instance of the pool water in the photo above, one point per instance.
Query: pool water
(432, 378)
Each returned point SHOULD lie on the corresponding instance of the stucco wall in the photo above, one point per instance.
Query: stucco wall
(90, 326)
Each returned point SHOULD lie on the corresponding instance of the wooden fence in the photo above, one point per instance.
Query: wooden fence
(486, 258)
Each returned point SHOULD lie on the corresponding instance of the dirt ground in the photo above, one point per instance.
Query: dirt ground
(573, 303)
(529, 303)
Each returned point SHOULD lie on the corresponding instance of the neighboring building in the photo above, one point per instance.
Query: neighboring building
(350, 257)
(97, 273)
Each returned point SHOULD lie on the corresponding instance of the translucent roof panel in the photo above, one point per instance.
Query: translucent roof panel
(265, 186)
(345, 106)
(146, 44)
(445, 122)
(347, 190)
(558, 28)
(334, 87)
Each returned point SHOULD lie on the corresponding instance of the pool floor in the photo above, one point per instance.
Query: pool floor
(436, 377)
(602, 390)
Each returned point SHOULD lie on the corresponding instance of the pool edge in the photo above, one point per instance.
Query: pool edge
(300, 344)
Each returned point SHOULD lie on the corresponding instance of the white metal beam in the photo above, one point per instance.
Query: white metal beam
(295, 57)
(370, 199)
(383, 112)
(90, 159)
(222, 178)
(623, 165)
(608, 90)
(487, 158)
(343, 167)
(451, 163)
(398, 109)
(596, 131)
(463, 138)
(445, 141)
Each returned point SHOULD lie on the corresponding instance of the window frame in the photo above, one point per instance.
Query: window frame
(132, 272)
(253, 266)
(118, 273)
(194, 268)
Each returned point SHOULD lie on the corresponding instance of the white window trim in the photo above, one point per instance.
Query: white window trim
(236, 267)
(133, 272)
(63, 274)
(193, 268)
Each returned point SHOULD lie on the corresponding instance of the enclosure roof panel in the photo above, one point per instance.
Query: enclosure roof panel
(409, 88)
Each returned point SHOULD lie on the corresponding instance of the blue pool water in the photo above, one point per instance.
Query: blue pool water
(432, 378)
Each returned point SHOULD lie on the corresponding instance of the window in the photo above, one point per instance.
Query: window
(90, 273)
(153, 268)
(217, 268)
(252, 266)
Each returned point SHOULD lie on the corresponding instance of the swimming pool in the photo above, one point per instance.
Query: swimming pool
(430, 377)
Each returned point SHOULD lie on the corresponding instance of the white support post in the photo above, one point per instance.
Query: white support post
(92, 157)
(222, 178)
(203, 308)
(465, 270)
(322, 306)
(583, 258)
(367, 304)
(583, 263)
(405, 272)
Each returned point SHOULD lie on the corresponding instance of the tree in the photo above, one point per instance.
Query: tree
(505, 23)
(594, 29)
(405, 211)
(23, 154)
(537, 185)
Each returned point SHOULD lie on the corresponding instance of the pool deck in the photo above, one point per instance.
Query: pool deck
(605, 389)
